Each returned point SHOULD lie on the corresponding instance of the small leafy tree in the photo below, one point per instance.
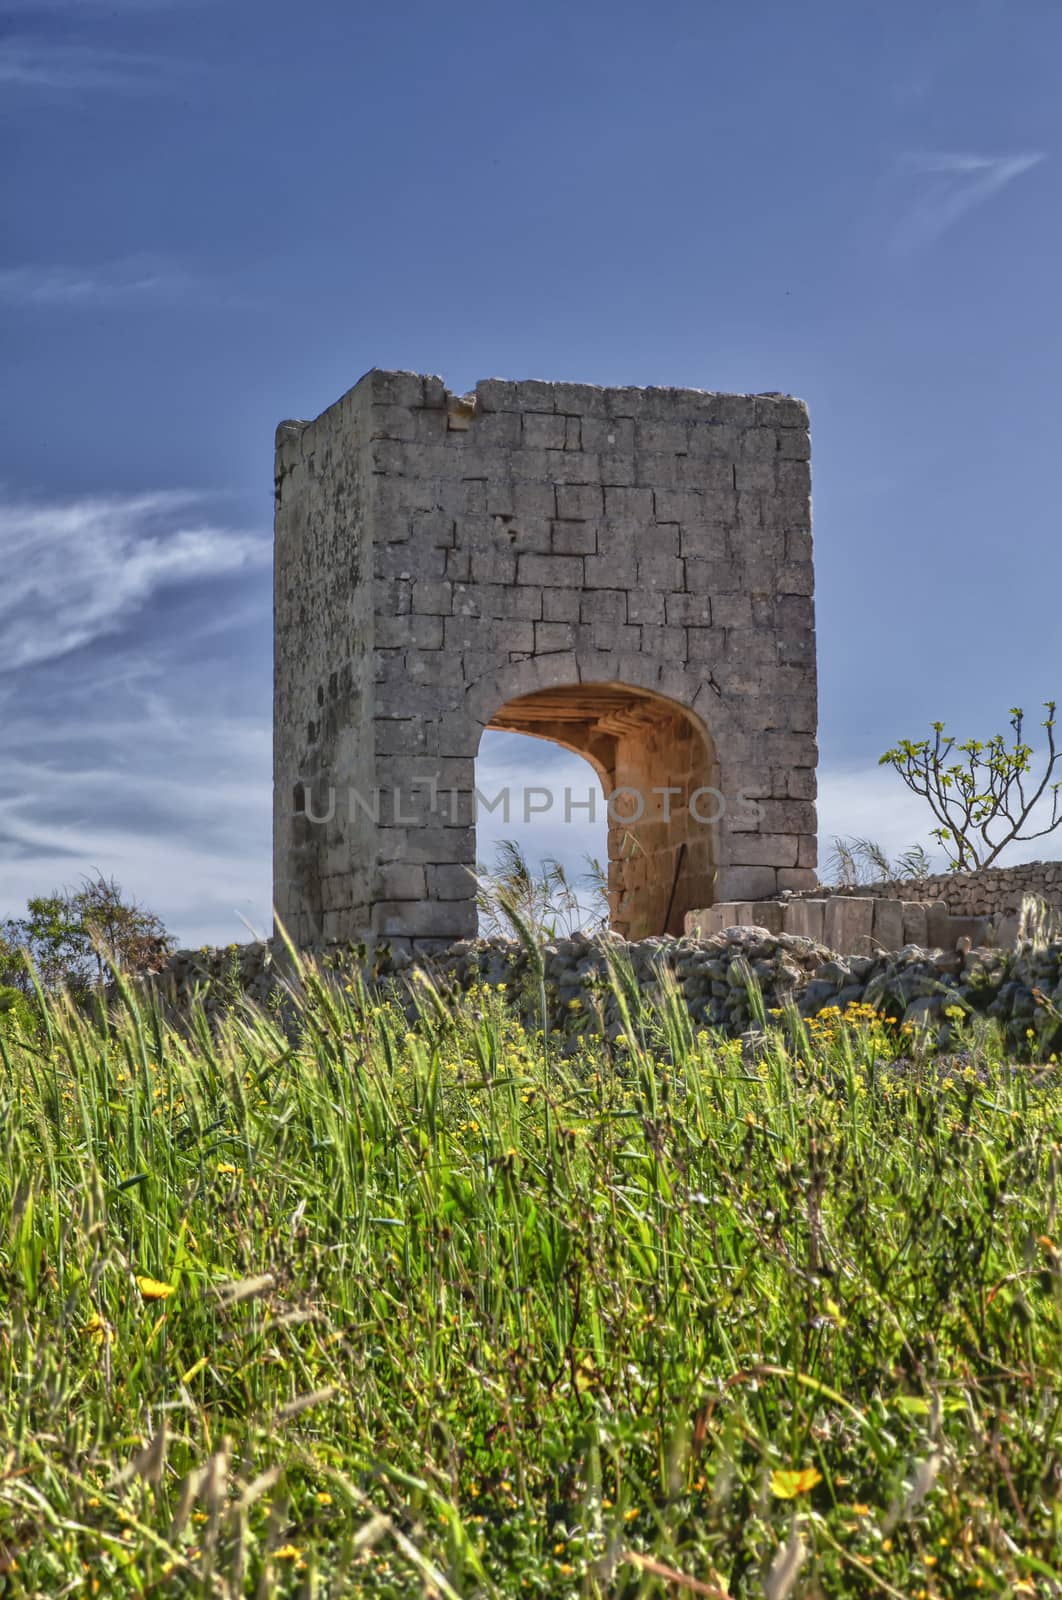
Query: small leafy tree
(982, 793)
(124, 936)
(78, 939)
(51, 936)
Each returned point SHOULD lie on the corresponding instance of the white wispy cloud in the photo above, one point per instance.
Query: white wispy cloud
(67, 67)
(92, 285)
(201, 858)
(27, 8)
(75, 570)
(136, 280)
(954, 184)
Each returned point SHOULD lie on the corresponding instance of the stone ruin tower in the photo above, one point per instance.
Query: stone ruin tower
(625, 572)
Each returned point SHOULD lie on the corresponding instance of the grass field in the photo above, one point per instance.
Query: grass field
(371, 1308)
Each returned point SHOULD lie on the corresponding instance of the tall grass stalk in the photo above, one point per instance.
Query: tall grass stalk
(384, 1297)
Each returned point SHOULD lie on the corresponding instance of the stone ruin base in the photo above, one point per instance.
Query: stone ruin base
(712, 973)
(858, 925)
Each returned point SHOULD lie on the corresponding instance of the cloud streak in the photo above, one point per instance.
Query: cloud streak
(203, 867)
(75, 8)
(75, 571)
(64, 67)
(138, 280)
(957, 183)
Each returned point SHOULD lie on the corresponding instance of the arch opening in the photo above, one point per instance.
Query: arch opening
(658, 769)
(540, 832)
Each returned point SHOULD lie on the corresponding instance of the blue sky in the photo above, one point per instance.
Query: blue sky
(220, 214)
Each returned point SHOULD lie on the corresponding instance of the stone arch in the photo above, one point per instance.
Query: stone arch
(660, 779)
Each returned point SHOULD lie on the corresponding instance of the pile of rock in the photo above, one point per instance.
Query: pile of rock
(219, 974)
(1019, 987)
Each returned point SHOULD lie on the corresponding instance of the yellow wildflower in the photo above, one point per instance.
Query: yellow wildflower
(786, 1485)
(99, 1329)
(152, 1289)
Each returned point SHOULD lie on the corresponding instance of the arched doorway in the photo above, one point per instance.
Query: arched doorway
(658, 770)
(541, 833)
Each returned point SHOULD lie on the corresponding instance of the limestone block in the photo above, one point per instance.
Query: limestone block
(551, 571)
(604, 605)
(450, 882)
(797, 879)
(630, 504)
(553, 636)
(658, 571)
(494, 394)
(806, 919)
(571, 466)
(412, 736)
(611, 636)
(849, 924)
(532, 395)
(797, 546)
(755, 477)
(543, 432)
(617, 469)
(613, 439)
(440, 919)
(432, 597)
(747, 883)
(645, 607)
(732, 611)
(781, 411)
(534, 499)
(767, 914)
(400, 880)
(976, 929)
(712, 919)
(765, 850)
(561, 605)
(704, 644)
(678, 505)
(938, 926)
(575, 538)
(416, 632)
(610, 571)
(579, 502)
(794, 477)
(695, 609)
(889, 924)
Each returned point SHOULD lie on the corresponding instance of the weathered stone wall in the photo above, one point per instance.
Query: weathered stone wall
(911, 985)
(323, 671)
(856, 924)
(938, 912)
(991, 891)
(537, 552)
(664, 860)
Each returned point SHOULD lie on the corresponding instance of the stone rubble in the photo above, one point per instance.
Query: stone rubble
(912, 985)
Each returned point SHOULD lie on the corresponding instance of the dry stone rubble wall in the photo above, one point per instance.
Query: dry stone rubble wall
(712, 973)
